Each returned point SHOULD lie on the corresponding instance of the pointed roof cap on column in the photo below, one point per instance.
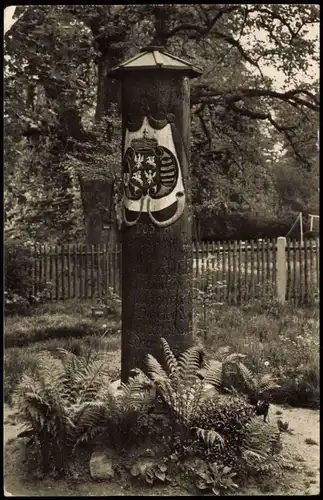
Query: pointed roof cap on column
(154, 58)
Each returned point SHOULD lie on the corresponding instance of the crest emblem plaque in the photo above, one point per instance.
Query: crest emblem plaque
(152, 178)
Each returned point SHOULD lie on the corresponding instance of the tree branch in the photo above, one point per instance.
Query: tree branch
(202, 30)
(203, 94)
(285, 129)
(203, 124)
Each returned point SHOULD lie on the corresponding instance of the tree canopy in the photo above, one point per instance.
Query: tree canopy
(62, 112)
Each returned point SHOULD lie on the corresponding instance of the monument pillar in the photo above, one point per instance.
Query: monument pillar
(156, 233)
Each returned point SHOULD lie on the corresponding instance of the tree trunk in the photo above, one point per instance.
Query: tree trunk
(99, 213)
(108, 91)
(96, 195)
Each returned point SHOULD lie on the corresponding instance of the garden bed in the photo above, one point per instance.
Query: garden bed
(305, 424)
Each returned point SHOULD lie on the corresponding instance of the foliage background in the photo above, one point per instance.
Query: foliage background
(253, 148)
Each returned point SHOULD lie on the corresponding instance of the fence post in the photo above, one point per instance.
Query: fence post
(281, 272)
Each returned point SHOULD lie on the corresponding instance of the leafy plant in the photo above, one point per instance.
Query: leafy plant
(18, 264)
(261, 448)
(19, 296)
(134, 400)
(149, 472)
(260, 439)
(217, 479)
(250, 446)
(227, 415)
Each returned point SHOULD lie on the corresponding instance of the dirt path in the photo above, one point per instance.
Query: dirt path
(304, 424)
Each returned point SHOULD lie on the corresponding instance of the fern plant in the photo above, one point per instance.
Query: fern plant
(219, 428)
(261, 448)
(52, 402)
(134, 399)
(183, 390)
(68, 402)
(257, 388)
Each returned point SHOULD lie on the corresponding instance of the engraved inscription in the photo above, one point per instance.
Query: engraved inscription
(145, 228)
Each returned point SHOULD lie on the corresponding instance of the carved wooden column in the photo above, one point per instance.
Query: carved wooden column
(156, 236)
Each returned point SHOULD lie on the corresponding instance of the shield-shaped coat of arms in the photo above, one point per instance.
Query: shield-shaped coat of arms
(151, 176)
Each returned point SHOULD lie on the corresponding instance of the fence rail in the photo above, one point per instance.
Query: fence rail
(230, 271)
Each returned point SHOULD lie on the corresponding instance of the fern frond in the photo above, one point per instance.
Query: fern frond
(189, 364)
(91, 414)
(171, 361)
(234, 357)
(170, 394)
(251, 454)
(67, 356)
(155, 369)
(260, 437)
(89, 435)
(248, 376)
(267, 383)
(214, 374)
(137, 392)
(195, 397)
(90, 379)
(71, 362)
(51, 374)
(210, 437)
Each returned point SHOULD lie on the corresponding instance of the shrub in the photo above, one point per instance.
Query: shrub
(299, 387)
(234, 419)
(19, 280)
(18, 264)
(15, 304)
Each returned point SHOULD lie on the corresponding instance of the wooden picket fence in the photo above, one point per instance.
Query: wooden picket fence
(77, 271)
(235, 271)
(225, 272)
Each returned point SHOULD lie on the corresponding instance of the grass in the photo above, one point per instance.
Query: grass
(281, 341)
(55, 320)
(63, 324)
